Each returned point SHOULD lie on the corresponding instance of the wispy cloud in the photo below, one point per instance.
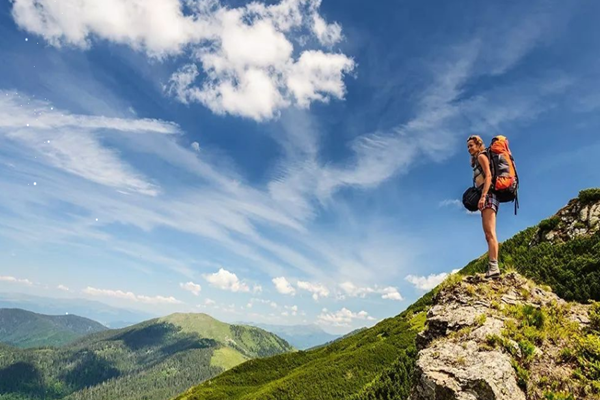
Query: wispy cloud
(12, 279)
(130, 296)
(68, 142)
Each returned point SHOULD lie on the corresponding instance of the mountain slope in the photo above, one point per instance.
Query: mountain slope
(378, 363)
(24, 329)
(163, 356)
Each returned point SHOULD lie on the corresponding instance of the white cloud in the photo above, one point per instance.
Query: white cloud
(257, 289)
(317, 289)
(391, 293)
(293, 310)
(428, 282)
(63, 288)
(246, 53)
(191, 287)
(130, 296)
(354, 291)
(318, 75)
(226, 280)
(328, 34)
(209, 302)
(450, 203)
(67, 142)
(283, 286)
(343, 317)
(388, 293)
(158, 26)
(12, 279)
(196, 146)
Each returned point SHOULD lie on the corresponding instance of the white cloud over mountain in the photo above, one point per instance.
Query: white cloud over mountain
(343, 317)
(12, 279)
(192, 287)
(226, 280)
(130, 296)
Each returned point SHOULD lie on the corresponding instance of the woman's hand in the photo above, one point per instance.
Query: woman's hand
(481, 202)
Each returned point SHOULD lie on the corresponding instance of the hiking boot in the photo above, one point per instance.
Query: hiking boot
(492, 272)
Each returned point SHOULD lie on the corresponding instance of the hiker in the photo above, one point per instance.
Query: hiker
(488, 203)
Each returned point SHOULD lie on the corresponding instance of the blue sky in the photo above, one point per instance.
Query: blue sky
(284, 162)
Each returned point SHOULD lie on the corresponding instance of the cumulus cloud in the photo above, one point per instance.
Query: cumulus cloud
(191, 287)
(196, 146)
(63, 288)
(245, 53)
(388, 293)
(343, 317)
(428, 282)
(130, 296)
(226, 280)
(12, 279)
(391, 293)
(283, 286)
(317, 289)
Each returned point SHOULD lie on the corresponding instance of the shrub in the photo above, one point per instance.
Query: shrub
(589, 196)
(594, 315)
(549, 224)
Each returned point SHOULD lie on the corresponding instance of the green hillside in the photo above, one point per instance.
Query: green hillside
(377, 363)
(153, 360)
(24, 329)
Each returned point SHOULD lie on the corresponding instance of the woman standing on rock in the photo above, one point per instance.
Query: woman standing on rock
(488, 203)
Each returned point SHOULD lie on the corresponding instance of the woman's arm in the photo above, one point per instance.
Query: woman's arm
(485, 165)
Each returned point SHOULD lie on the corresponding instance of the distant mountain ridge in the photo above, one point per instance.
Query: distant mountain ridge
(301, 337)
(152, 360)
(109, 316)
(24, 329)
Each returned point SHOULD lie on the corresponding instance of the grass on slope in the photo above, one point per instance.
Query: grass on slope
(378, 363)
(226, 358)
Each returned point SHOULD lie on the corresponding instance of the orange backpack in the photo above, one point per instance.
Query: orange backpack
(505, 180)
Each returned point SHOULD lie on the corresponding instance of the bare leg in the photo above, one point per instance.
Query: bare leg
(488, 218)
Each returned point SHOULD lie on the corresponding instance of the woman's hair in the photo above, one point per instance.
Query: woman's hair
(478, 141)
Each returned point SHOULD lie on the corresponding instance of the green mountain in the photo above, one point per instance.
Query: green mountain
(562, 252)
(153, 360)
(24, 329)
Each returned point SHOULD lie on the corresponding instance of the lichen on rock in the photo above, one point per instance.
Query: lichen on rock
(489, 340)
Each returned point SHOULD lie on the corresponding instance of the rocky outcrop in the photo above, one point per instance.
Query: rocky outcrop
(457, 357)
(575, 219)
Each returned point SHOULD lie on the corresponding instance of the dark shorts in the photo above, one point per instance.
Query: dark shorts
(491, 201)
